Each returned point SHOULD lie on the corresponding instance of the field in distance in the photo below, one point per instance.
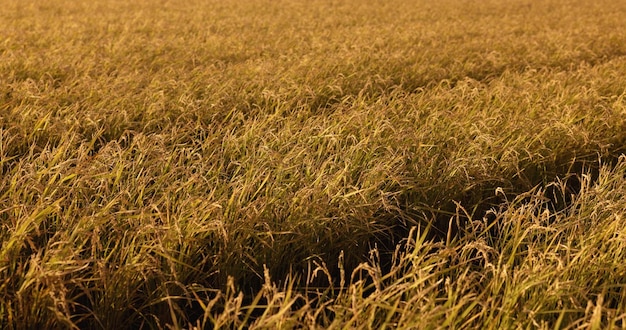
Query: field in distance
(316, 164)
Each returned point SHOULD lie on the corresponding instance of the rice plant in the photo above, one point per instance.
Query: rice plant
(298, 164)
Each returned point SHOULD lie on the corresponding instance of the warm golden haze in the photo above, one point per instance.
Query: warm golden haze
(317, 164)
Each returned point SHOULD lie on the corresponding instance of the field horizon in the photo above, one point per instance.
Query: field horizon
(312, 164)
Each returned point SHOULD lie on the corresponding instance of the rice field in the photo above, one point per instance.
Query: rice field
(283, 164)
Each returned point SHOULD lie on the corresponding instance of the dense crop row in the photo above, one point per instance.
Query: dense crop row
(312, 163)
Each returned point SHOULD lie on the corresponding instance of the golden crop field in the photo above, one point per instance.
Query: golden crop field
(277, 164)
